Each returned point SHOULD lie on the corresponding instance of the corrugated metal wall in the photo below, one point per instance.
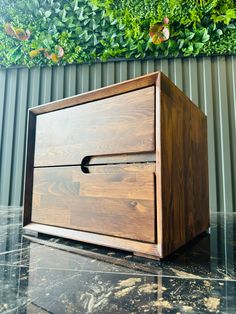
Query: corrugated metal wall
(209, 81)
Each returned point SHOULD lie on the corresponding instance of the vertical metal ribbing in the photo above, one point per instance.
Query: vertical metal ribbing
(209, 81)
(163, 65)
(201, 85)
(19, 137)
(218, 146)
(57, 83)
(45, 85)
(121, 71)
(70, 80)
(176, 72)
(134, 69)
(3, 218)
(193, 77)
(224, 135)
(82, 78)
(208, 105)
(186, 78)
(95, 76)
(229, 232)
(190, 83)
(147, 67)
(2, 109)
(108, 73)
(8, 136)
(231, 92)
(34, 88)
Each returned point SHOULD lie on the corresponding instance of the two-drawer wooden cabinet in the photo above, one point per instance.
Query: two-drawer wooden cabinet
(124, 166)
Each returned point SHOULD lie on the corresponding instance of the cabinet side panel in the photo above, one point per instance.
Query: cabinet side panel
(29, 168)
(159, 228)
(185, 203)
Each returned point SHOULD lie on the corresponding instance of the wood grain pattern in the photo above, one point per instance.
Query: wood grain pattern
(185, 203)
(123, 124)
(120, 203)
(143, 185)
(101, 93)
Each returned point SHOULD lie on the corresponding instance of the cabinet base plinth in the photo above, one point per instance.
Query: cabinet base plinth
(157, 258)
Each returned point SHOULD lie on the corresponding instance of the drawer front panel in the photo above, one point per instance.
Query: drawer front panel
(117, 125)
(119, 203)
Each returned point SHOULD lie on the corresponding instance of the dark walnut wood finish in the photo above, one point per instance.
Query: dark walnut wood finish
(99, 201)
(124, 166)
(116, 125)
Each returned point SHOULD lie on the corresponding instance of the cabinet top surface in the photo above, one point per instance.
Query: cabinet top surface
(98, 94)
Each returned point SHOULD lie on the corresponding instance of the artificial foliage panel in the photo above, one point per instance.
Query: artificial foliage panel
(45, 32)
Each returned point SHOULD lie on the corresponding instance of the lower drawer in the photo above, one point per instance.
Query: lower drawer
(117, 200)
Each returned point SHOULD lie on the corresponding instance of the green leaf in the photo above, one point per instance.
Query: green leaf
(189, 35)
(230, 26)
(198, 46)
(76, 7)
(81, 16)
(188, 51)
(180, 43)
(111, 28)
(47, 14)
(205, 36)
(114, 22)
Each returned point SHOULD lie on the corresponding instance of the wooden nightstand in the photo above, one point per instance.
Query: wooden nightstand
(124, 166)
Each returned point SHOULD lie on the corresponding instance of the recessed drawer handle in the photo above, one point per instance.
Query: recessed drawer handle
(116, 159)
(84, 169)
(114, 163)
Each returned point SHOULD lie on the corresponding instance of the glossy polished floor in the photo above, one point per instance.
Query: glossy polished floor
(51, 275)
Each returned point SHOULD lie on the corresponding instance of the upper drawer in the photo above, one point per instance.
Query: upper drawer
(115, 125)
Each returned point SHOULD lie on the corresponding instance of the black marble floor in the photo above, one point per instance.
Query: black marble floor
(51, 275)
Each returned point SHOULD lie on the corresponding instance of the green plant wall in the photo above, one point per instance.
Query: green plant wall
(45, 32)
